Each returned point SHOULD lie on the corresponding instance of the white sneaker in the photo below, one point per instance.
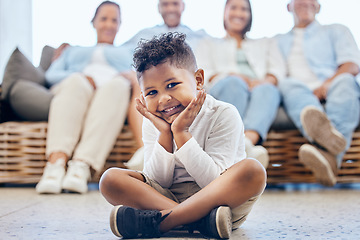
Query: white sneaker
(258, 152)
(319, 129)
(320, 162)
(137, 160)
(52, 177)
(77, 177)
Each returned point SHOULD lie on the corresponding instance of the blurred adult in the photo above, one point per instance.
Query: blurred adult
(322, 62)
(92, 89)
(244, 72)
(171, 12)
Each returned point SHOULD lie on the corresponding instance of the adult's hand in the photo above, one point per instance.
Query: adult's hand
(254, 83)
(321, 92)
(59, 51)
(91, 81)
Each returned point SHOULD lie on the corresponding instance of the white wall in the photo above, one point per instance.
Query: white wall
(56, 22)
(15, 29)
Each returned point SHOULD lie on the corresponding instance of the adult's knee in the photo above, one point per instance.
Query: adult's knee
(77, 83)
(120, 85)
(119, 88)
(229, 87)
(235, 82)
(267, 91)
(344, 83)
(288, 84)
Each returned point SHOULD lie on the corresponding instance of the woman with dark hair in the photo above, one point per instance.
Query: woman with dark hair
(92, 89)
(245, 73)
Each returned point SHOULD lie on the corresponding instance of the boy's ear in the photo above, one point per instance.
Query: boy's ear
(199, 77)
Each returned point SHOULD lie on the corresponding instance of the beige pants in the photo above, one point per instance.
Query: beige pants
(181, 191)
(84, 123)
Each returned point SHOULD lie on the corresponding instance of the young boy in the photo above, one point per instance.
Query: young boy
(195, 171)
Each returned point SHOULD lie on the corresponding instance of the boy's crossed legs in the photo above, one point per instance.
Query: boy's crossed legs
(236, 186)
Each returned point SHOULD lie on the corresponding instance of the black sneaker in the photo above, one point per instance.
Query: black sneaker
(217, 224)
(128, 222)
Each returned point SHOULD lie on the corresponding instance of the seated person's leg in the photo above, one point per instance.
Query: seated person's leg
(234, 90)
(261, 112)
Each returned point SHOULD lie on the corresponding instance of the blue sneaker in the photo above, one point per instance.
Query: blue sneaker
(217, 224)
(128, 222)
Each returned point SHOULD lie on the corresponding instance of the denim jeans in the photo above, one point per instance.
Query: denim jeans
(342, 105)
(258, 107)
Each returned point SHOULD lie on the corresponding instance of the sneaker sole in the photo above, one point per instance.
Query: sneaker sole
(113, 221)
(223, 222)
(71, 186)
(317, 163)
(47, 189)
(319, 128)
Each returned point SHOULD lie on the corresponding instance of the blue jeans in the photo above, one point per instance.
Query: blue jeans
(342, 105)
(257, 107)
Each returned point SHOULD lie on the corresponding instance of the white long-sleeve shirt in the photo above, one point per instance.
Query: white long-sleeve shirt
(217, 143)
(218, 57)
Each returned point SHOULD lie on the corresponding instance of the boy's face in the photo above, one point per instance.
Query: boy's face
(168, 90)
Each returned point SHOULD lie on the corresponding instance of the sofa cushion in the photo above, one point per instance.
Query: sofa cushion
(30, 101)
(46, 57)
(19, 67)
(282, 121)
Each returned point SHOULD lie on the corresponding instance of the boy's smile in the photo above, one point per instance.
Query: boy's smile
(168, 90)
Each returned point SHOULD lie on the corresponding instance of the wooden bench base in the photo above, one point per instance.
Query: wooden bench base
(22, 155)
(22, 151)
(285, 167)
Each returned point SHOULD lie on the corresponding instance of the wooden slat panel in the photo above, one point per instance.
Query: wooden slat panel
(284, 166)
(22, 151)
(22, 154)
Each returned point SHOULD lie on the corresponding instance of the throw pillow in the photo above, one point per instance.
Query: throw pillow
(30, 101)
(19, 67)
(46, 57)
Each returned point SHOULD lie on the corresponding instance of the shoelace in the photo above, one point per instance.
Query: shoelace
(149, 221)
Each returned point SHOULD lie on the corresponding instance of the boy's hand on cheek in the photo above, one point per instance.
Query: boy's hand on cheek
(180, 127)
(159, 123)
(165, 139)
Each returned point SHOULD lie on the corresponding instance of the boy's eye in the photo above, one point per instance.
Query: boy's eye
(171, 85)
(153, 92)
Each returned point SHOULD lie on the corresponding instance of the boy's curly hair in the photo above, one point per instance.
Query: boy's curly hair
(168, 47)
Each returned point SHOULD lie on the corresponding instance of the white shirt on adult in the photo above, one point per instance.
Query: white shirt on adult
(297, 63)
